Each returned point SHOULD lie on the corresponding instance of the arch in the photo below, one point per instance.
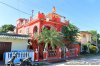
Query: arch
(35, 29)
(48, 26)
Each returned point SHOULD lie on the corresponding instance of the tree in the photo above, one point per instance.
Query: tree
(7, 27)
(98, 38)
(95, 36)
(51, 37)
(70, 32)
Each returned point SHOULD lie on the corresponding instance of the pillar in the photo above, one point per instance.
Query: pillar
(60, 53)
(36, 55)
(45, 54)
(67, 53)
(76, 52)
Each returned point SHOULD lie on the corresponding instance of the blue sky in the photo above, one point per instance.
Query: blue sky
(85, 14)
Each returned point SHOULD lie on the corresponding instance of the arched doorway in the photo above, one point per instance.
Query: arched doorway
(48, 27)
(35, 29)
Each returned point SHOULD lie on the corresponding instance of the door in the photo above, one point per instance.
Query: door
(4, 47)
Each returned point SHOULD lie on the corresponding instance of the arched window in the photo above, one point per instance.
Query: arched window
(35, 29)
(48, 27)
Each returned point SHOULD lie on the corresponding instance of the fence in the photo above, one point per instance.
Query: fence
(52, 53)
(72, 53)
(20, 55)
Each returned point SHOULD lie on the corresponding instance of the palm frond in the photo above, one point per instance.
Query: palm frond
(51, 37)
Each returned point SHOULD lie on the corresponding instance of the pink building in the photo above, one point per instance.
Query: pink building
(33, 25)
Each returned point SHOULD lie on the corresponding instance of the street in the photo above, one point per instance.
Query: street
(81, 61)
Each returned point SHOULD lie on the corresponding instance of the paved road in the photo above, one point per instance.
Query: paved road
(82, 61)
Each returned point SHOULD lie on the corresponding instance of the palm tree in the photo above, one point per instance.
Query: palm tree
(51, 37)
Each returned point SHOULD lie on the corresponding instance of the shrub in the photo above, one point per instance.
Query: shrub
(98, 47)
(85, 47)
(92, 49)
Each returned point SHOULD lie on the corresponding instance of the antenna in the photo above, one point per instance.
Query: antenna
(32, 13)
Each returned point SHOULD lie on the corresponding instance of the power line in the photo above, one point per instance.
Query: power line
(14, 8)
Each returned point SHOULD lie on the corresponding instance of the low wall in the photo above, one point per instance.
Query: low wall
(20, 55)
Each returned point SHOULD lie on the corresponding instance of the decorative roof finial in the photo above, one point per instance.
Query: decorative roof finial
(54, 10)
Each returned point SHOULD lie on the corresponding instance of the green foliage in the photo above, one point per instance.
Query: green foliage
(94, 34)
(7, 27)
(87, 44)
(85, 47)
(51, 37)
(70, 32)
(92, 49)
(98, 38)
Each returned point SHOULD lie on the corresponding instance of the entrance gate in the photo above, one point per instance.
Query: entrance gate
(4, 47)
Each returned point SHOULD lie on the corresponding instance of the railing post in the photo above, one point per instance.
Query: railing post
(67, 53)
(45, 54)
(36, 55)
(60, 53)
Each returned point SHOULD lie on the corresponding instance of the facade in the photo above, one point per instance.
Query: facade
(30, 26)
(84, 37)
(10, 42)
(33, 25)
